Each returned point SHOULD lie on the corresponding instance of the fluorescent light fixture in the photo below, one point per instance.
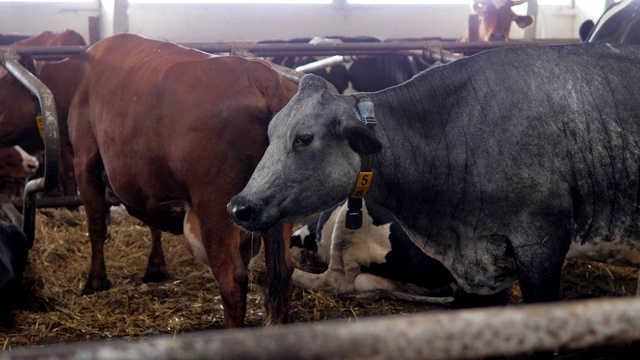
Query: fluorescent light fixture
(408, 2)
(52, 1)
(231, 1)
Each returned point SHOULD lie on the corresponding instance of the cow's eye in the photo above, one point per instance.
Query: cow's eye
(302, 140)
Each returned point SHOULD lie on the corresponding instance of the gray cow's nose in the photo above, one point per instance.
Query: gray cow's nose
(243, 214)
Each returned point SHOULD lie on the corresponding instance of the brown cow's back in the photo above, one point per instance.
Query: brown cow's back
(50, 38)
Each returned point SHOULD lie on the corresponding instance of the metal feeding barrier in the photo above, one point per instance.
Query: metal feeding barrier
(457, 334)
(10, 60)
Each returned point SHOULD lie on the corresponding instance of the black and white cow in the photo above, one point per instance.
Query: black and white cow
(620, 23)
(499, 165)
(364, 73)
(14, 250)
(376, 260)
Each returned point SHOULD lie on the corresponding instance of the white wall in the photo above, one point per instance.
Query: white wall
(220, 22)
(251, 22)
(33, 18)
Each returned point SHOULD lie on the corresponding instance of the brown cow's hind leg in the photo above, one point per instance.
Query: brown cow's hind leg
(156, 268)
(89, 170)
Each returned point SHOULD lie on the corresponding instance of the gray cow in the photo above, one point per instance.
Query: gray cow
(499, 165)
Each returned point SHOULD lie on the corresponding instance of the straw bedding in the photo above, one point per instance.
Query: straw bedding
(52, 310)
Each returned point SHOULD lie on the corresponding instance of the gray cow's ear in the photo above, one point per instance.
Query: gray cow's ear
(360, 139)
(311, 81)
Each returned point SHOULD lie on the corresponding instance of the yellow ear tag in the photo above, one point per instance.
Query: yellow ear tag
(362, 184)
(40, 122)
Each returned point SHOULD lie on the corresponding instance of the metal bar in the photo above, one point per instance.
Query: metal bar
(61, 201)
(362, 48)
(323, 63)
(51, 140)
(456, 334)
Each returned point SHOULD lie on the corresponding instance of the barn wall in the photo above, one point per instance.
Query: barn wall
(251, 22)
(33, 18)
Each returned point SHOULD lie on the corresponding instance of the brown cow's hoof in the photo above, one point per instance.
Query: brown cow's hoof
(156, 274)
(96, 286)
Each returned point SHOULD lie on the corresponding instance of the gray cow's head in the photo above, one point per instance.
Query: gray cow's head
(312, 160)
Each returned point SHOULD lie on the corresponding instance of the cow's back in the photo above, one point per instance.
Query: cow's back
(564, 139)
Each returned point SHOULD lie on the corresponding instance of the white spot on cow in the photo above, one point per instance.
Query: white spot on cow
(193, 237)
(346, 251)
(29, 163)
(303, 232)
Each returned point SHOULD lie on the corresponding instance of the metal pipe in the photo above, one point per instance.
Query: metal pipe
(362, 48)
(62, 201)
(323, 63)
(457, 334)
(51, 139)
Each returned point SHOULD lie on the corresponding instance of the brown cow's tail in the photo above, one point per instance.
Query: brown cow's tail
(278, 285)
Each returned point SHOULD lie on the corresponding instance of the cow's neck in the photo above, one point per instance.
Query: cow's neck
(411, 177)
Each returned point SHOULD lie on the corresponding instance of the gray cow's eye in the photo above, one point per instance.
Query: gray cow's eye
(302, 140)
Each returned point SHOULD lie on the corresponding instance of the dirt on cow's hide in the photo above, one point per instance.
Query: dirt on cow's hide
(53, 311)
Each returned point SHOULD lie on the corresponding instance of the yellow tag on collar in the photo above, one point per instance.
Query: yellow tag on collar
(362, 184)
(40, 122)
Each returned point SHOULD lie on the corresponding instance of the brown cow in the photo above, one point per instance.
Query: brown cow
(174, 133)
(495, 17)
(16, 165)
(18, 107)
(18, 125)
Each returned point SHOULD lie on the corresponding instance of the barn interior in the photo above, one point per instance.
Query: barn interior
(52, 312)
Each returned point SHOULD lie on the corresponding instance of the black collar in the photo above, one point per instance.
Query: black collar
(365, 176)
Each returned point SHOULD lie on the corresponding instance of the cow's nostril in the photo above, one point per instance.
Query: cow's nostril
(243, 213)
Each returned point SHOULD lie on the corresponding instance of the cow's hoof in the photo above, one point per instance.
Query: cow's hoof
(95, 286)
(156, 275)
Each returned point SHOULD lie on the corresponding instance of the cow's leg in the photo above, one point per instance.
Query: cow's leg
(341, 272)
(373, 287)
(539, 262)
(89, 168)
(156, 267)
(221, 244)
(279, 269)
(67, 173)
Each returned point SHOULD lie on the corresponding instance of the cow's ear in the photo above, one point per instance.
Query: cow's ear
(360, 138)
(313, 82)
(523, 21)
(585, 30)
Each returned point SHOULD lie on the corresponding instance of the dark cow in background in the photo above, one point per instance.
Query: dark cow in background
(8, 39)
(378, 260)
(336, 75)
(174, 133)
(365, 73)
(494, 20)
(18, 107)
(497, 179)
(14, 251)
(619, 24)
